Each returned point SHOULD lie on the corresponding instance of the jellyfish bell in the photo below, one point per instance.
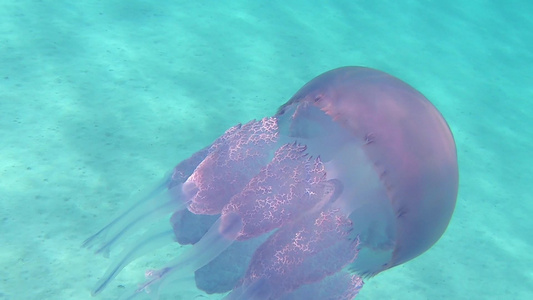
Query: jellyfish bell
(402, 137)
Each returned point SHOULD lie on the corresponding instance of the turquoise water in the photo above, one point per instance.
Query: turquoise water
(99, 99)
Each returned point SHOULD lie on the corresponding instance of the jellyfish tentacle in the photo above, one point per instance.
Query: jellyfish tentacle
(291, 186)
(288, 187)
(219, 237)
(146, 244)
(134, 216)
(256, 290)
(300, 253)
(165, 198)
(233, 159)
(339, 286)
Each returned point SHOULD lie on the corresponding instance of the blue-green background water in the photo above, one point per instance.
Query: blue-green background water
(99, 99)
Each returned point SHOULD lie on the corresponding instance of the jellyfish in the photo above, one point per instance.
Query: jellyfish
(355, 174)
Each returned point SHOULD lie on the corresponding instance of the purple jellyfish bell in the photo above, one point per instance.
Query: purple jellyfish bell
(355, 174)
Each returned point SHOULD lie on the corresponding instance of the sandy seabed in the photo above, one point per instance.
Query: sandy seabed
(99, 99)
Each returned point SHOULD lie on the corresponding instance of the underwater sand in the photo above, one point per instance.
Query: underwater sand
(99, 99)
